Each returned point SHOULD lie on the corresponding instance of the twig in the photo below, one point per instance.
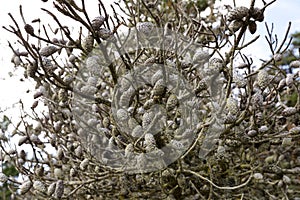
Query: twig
(216, 186)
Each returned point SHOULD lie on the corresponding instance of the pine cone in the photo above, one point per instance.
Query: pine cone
(98, 22)
(257, 14)
(295, 130)
(289, 79)
(84, 164)
(232, 105)
(159, 88)
(59, 189)
(88, 43)
(145, 27)
(289, 111)
(51, 189)
(172, 102)
(39, 186)
(25, 187)
(238, 13)
(48, 51)
(104, 33)
(201, 56)
(295, 64)
(262, 78)
(3, 178)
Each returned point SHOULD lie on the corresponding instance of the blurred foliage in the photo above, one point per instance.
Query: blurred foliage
(10, 171)
(293, 52)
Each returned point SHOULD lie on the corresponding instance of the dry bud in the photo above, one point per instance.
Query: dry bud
(281, 84)
(229, 119)
(258, 176)
(178, 145)
(147, 119)
(286, 179)
(232, 105)
(137, 131)
(252, 133)
(98, 22)
(34, 105)
(122, 115)
(34, 138)
(145, 27)
(88, 43)
(295, 130)
(159, 88)
(149, 139)
(262, 78)
(257, 14)
(201, 56)
(22, 154)
(84, 164)
(48, 51)
(172, 102)
(17, 60)
(289, 79)
(37, 94)
(289, 111)
(25, 187)
(78, 152)
(51, 188)
(277, 57)
(39, 186)
(235, 25)
(295, 64)
(257, 99)
(242, 65)
(263, 129)
(58, 173)
(39, 171)
(60, 153)
(22, 140)
(156, 77)
(3, 178)
(252, 27)
(29, 29)
(129, 149)
(59, 189)
(104, 33)
(73, 172)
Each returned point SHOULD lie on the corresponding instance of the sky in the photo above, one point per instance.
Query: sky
(12, 90)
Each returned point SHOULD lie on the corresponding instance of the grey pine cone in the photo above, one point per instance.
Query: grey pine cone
(238, 13)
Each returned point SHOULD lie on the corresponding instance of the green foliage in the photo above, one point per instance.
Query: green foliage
(293, 53)
(296, 39)
(10, 171)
